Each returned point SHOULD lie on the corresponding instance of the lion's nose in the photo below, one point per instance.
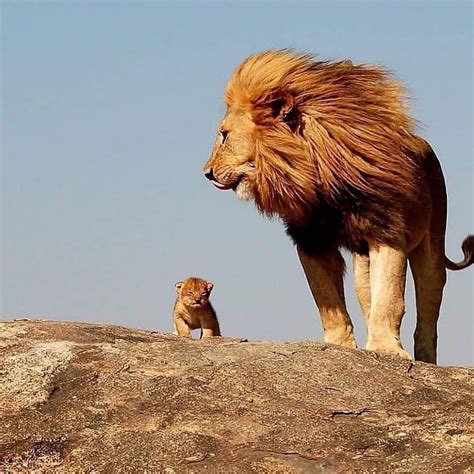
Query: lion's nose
(210, 175)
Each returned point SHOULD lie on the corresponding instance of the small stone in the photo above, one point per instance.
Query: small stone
(196, 458)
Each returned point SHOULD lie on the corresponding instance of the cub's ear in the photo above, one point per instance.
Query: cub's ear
(282, 108)
(209, 286)
(178, 285)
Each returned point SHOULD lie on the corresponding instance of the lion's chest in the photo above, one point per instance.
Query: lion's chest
(327, 229)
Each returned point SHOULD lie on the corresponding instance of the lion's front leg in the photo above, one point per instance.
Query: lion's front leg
(325, 277)
(387, 283)
(361, 266)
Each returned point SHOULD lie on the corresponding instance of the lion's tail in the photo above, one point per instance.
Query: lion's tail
(467, 250)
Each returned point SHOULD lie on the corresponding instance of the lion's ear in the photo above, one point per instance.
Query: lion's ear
(178, 285)
(282, 107)
(209, 286)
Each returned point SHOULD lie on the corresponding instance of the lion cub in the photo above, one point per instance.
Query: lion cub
(193, 309)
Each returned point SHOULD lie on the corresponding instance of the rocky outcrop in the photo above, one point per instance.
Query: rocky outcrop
(95, 398)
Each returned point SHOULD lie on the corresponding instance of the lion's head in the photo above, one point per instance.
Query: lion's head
(299, 130)
(232, 165)
(194, 292)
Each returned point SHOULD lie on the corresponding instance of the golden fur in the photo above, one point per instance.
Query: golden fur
(193, 310)
(331, 148)
(346, 135)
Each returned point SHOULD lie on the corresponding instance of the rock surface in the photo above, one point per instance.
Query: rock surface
(96, 398)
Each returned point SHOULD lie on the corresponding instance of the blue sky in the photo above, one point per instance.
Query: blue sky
(109, 112)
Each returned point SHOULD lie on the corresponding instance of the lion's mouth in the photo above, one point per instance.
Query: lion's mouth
(224, 187)
(221, 186)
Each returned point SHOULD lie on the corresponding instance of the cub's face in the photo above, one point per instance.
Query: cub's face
(232, 163)
(194, 292)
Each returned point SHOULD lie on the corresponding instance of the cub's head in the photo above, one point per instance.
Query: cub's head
(194, 292)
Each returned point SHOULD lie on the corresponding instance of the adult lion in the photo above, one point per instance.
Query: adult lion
(330, 148)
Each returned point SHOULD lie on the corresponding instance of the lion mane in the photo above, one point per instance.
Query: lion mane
(344, 161)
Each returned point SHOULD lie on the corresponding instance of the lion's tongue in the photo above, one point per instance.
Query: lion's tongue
(221, 186)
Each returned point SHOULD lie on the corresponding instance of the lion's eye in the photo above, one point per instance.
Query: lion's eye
(223, 135)
(189, 293)
(251, 164)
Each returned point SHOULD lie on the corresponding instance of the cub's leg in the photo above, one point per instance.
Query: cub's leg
(325, 278)
(182, 327)
(361, 265)
(210, 328)
(429, 274)
(387, 281)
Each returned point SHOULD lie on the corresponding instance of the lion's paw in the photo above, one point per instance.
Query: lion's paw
(345, 340)
(389, 349)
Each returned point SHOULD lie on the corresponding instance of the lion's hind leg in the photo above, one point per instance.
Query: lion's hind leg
(429, 274)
